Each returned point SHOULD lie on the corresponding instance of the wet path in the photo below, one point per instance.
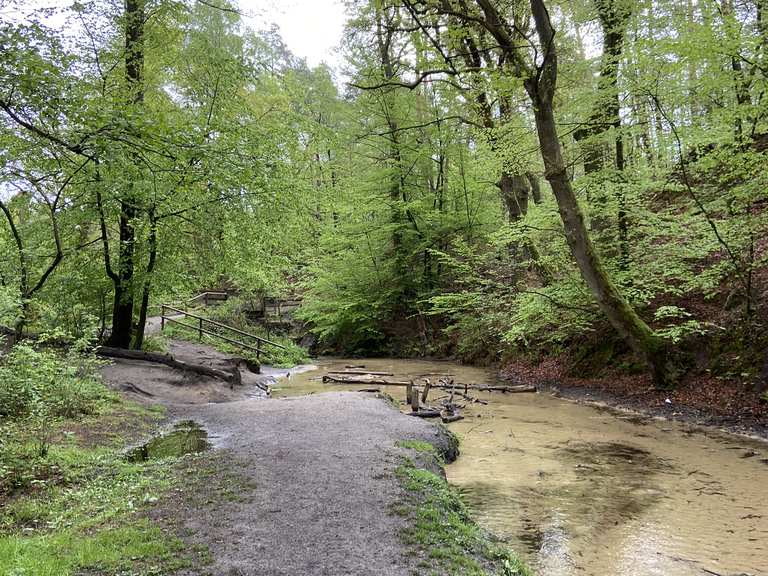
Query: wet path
(582, 491)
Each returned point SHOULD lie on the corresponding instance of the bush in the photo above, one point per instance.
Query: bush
(44, 384)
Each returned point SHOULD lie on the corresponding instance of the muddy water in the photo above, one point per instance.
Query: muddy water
(578, 490)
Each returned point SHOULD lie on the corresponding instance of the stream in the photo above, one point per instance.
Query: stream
(582, 490)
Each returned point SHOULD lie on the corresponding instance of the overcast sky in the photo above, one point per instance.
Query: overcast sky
(310, 28)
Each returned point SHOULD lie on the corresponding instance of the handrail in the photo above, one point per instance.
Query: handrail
(226, 327)
(204, 295)
(204, 331)
(201, 330)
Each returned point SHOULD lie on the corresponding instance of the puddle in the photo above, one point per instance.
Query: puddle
(581, 491)
(187, 437)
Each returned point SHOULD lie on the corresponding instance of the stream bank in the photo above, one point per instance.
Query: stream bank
(335, 483)
(701, 399)
(579, 489)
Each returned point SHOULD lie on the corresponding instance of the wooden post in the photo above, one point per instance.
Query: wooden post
(408, 392)
(162, 317)
(205, 298)
(415, 400)
(424, 394)
(201, 329)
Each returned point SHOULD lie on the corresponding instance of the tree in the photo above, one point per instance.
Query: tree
(538, 71)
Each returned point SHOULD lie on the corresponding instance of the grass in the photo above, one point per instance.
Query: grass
(441, 527)
(421, 447)
(138, 546)
(82, 506)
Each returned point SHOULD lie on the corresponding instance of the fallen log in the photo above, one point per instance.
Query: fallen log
(170, 361)
(426, 413)
(488, 388)
(341, 379)
(361, 372)
(336, 378)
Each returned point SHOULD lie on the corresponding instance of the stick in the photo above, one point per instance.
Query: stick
(424, 394)
(361, 372)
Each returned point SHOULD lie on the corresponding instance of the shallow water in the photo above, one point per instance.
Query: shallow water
(187, 437)
(578, 490)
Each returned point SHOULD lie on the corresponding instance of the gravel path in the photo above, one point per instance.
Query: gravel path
(322, 467)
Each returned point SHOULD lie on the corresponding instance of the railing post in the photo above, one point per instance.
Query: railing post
(162, 317)
(201, 329)
(205, 299)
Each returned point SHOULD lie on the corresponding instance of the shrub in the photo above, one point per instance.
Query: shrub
(41, 383)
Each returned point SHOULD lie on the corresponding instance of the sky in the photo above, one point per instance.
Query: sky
(311, 29)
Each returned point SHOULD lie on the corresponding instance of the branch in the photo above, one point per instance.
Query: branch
(411, 85)
(75, 148)
(695, 197)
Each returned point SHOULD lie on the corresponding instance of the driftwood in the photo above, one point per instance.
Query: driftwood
(353, 379)
(361, 372)
(336, 378)
(427, 413)
(369, 390)
(168, 360)
(130, 387)
(448, 418)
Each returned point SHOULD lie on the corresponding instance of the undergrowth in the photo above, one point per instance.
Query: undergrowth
(70, 502)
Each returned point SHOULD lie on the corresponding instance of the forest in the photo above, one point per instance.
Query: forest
(572, 192)
(592, 174)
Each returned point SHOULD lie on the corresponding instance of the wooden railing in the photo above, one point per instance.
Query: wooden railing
(201, 326)
(204, 297)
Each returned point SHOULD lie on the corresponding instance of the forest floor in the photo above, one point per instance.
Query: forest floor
(700, 399)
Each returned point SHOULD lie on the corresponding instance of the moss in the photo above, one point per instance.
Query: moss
(421, 447)
(440, 526)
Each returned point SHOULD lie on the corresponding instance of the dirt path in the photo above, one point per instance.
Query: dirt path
(323, 469)
(320, 467)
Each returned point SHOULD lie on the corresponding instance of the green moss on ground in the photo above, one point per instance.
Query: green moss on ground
(420, 446)
(440, 526)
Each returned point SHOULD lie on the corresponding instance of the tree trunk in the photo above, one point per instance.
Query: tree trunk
(141, 324)
(620, 314)
(122, 309)
(535, 187)
(514, 191)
